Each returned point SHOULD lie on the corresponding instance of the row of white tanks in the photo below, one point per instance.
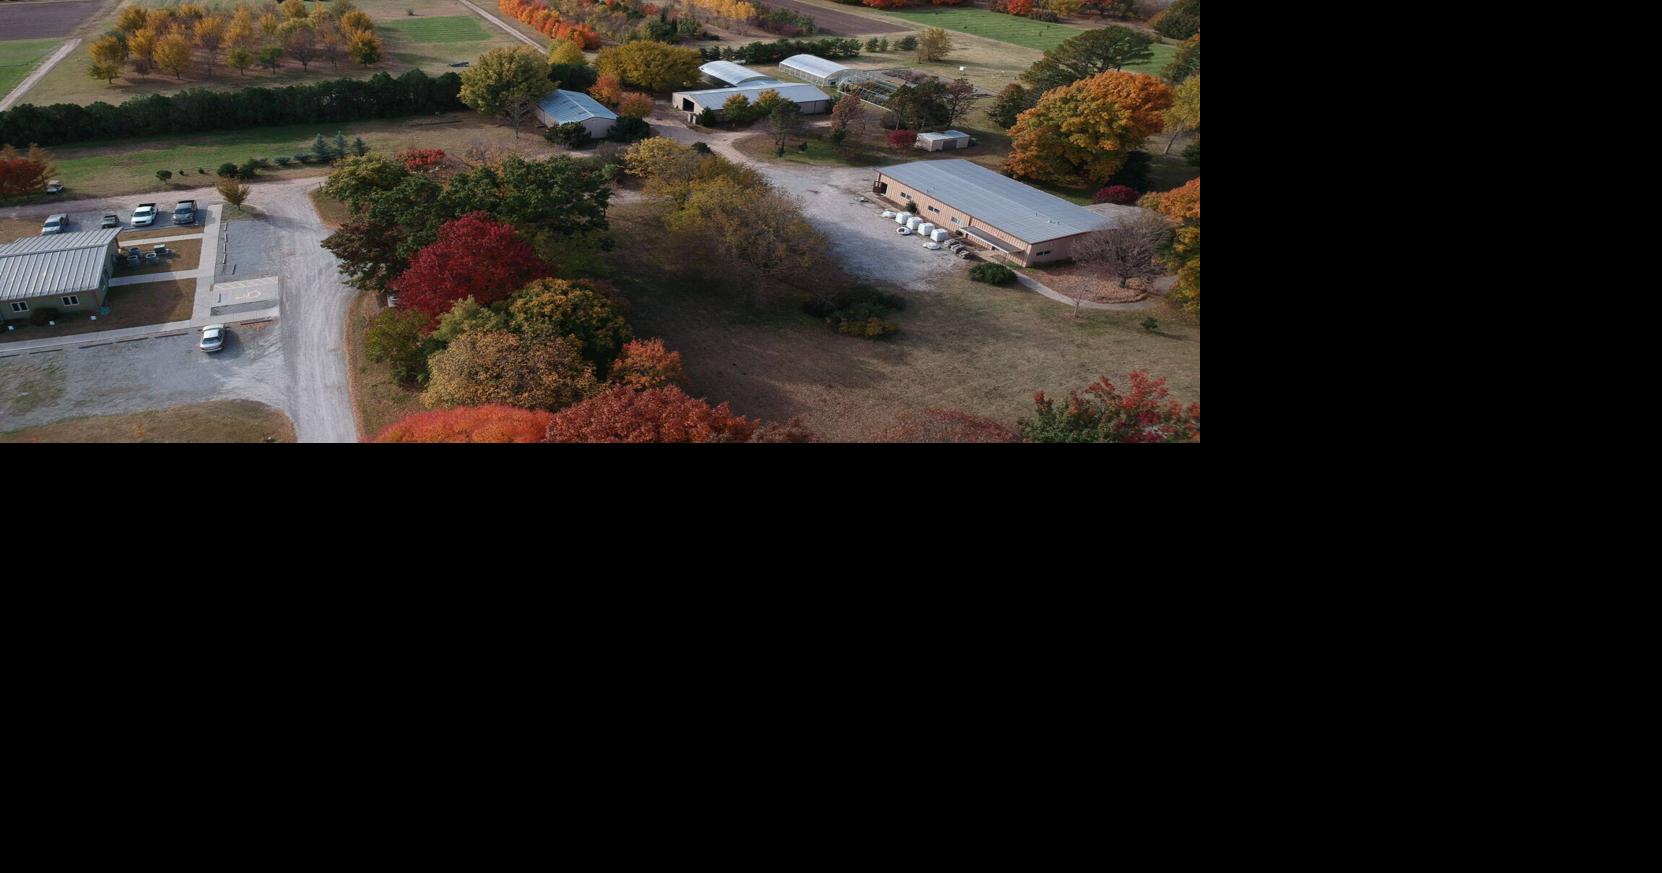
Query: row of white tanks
(923, 228)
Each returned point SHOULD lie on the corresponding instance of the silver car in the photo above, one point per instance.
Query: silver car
(213, 338)
(55, 223)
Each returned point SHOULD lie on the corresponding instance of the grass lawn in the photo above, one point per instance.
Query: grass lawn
(219, 421)
(129, 305)
(380, 399)
(974, 347)
(432, 39)
(129, 166)
(992, 25)
(19, 57)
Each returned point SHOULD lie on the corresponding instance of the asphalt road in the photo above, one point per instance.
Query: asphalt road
(311, 386)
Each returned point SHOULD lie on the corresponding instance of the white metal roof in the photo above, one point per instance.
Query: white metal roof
(731, 73)
(813, 65)
(712, 98)
(1020, 210)
(65, 263)
(944, 135)
(568, 106)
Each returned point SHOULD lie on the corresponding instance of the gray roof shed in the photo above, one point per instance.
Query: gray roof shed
(66, 263)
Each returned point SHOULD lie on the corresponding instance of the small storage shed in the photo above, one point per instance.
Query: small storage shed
(943, 140)
(813, 69)
(563, 107)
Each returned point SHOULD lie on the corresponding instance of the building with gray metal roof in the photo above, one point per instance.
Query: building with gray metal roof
(66, 272)
(810, 100)
(565, 107)
(1022, 221)
(729, 73)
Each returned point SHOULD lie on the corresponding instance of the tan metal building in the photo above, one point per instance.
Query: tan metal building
(69, 272)
(1021, 221)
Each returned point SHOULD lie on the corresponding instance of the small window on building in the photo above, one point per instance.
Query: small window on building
(1045, 252)
(20, 306)
(956, 221)
(932, 209)
(72, 300)
(905, 196)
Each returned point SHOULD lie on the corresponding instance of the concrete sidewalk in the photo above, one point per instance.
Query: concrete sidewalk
(106, 337)
(155, 277)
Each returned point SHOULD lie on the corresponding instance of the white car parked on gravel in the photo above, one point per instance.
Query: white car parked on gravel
(213, 338)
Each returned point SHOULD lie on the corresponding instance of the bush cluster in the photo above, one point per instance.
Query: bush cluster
(778, 50)
(859, 311)
(993, 274)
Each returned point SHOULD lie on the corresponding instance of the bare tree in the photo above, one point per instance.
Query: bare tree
(959, 98)
(1129, 250)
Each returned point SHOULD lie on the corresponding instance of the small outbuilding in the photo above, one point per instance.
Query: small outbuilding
(943, 140)
(727, 73)
(813, 69)
(69, 272)
(564, 107)
(810, 100)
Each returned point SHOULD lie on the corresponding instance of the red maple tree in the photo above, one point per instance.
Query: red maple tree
(475, 256)
(662, 415)
(419, 160)
(470, 424)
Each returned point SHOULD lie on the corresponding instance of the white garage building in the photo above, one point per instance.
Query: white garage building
(810, 100)
(563, 107)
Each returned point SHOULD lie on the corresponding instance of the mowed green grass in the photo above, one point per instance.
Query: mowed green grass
(18, 58)
(1024, 32)
(449, 28)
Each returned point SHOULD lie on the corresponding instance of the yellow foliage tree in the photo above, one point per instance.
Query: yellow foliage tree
(1080, 134)
(173, 54)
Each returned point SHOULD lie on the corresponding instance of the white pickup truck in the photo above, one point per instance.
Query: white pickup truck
(144, 215)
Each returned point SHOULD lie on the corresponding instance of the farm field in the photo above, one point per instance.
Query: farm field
(19, 57)
(835, 22)
(973, 347)
(129, 167)
(440, 33)
(36, 20)
(1037, 35)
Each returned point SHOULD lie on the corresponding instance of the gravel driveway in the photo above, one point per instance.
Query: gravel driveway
(297, 365)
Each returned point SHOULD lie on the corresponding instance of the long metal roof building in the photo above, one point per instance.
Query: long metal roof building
(1020, 210)
(65, 263)
(813, 68)
(731, 73)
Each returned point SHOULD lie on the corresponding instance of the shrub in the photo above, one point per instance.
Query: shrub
(284, 160)
(903, 138)
(304, 157)
(912, 207)
(249, 169)
(227, 170)
(395, 337)
(907, 43)
(629, 130)
(164, 175)
(993, 274)
(571, 135)
(702, 148)
(42, 315)
(859, 311)
(1119, 194)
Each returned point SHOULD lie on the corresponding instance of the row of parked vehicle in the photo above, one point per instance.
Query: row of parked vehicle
(184, 213)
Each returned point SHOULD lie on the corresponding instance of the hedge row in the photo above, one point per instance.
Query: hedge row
(198, 110)
(778, 50)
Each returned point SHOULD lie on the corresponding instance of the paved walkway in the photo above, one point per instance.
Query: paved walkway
(1031, 284)
(142, 278)
(505, 26)
(39, 73)
(126, 334)
(154, 240)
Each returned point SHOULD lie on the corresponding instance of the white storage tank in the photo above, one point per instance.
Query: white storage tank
(941, 234)
(912, 221)
(888, 214)
(900, 218)
(926, 228)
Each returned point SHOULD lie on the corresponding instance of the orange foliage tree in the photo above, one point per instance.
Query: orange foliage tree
(546, 21)
(470, 424)
(662, 415)
(1080, 134)
(647, 364)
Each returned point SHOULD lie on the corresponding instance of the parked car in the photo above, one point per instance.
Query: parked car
(185, 212)
(144, 215)
(53, 187)
(213, 338)
(110, 220)
(55, 224)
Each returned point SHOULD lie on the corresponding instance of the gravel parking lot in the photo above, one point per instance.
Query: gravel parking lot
(142, 374)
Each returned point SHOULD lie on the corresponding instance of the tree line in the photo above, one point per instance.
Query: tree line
(200, 110)
(778, 50)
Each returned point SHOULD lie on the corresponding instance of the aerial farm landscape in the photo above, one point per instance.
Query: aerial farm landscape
(591, 221)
